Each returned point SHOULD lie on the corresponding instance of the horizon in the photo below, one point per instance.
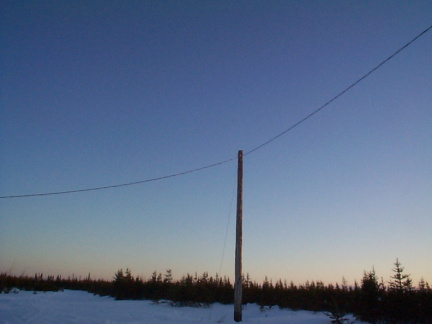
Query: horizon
(147, 277)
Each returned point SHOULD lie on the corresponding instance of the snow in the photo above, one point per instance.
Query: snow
(82, 307)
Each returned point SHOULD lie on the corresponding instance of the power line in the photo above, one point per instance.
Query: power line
(340, 93)
(246, 153)
(119, 185)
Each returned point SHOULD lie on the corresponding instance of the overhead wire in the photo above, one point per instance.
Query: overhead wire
(247, 152)
(118, 185)
(338, 95)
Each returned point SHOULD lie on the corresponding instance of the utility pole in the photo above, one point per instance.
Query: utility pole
(239, 237)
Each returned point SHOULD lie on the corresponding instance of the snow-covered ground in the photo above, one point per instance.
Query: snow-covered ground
(82, 307)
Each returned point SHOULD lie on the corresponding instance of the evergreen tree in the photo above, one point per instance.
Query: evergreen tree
(400, 306)
(168, 277)
(123, 285)
(401, 282)
(370, 298)
(424, 302)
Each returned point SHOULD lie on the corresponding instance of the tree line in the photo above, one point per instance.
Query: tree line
(372, 300)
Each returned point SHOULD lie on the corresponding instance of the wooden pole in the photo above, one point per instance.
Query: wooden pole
(239, 237)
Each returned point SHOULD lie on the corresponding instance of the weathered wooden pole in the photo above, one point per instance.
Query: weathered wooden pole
(239, 237)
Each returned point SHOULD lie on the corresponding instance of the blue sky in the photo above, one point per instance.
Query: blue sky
(98, 93)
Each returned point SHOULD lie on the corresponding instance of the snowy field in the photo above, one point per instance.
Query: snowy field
(82, 307)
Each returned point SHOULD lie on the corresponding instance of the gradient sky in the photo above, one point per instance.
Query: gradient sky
(98, 93)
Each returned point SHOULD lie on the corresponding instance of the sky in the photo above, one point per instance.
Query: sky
(100, 93)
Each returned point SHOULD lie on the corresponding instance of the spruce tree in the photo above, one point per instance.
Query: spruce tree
(371, 292)
(401, 282)
(400, 307)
